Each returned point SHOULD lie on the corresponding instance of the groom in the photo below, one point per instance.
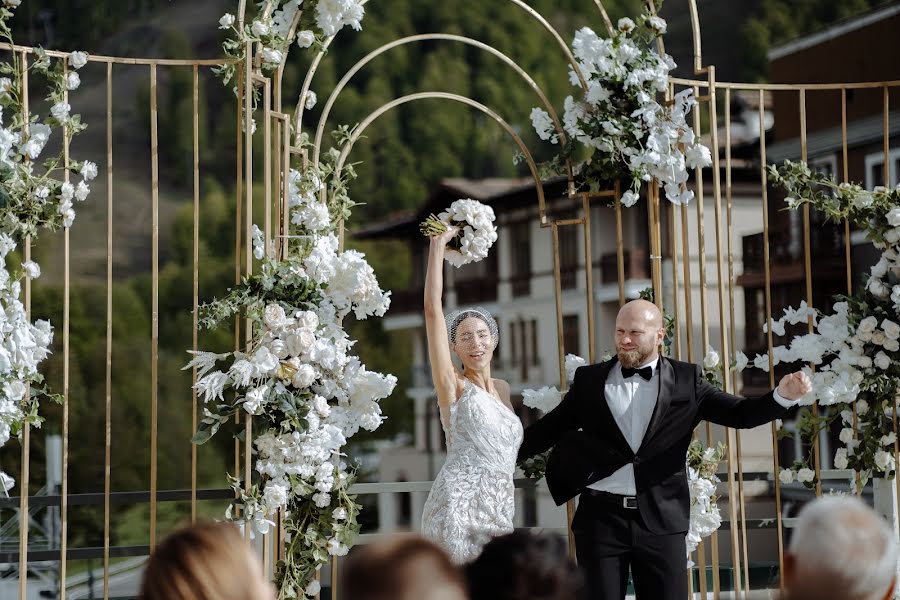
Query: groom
(621, 436)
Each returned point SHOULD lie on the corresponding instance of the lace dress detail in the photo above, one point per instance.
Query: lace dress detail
(472, 500)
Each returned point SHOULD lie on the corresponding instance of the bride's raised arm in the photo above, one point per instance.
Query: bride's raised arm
(443, 373)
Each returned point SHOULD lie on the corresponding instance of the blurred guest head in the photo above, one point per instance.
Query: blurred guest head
(407, 568)
(523, 566)
(840, 548)
(206, 561)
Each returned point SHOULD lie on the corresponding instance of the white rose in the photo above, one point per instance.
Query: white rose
(274, 316)
(878, 338)
(882, 360)
(846, 435)
(12, 3)
(259, 28)
(892, 345)
(786, 476)
(307, 319)
(81, 191)
(629, 198)
(889, 439)
(88, 170)
(32, 269)
(805, 475)
(272, 56)
(226, 21)
(862, 407)
(60, 111)
(303, 377)
(313, 589)
(255, 398)
(867, 325)
(625, 25)
(711, 360)
(891, 329)
(892, 236)
(840, 458)
(306, 38)
(73, 80)
(883, 460)
(339, 514)
(893, 217)
(78, 59)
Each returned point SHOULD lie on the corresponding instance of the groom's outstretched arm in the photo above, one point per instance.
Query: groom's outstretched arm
(729, 410)
(541, 436)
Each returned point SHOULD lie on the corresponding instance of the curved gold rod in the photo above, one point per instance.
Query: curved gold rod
(606, 20)
(345, 151)
(695, 28)
(279, 73)
(326, 111)
(301, 102)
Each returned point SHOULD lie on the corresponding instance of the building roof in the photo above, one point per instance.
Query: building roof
(835, 30)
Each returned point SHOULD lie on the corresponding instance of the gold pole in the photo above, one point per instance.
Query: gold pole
(620, 246)
(196, 288)
(248, 183)
(26, 429)
(107, 460)
(557, 290)
(768, 294)
(589, 275)
(154, 342)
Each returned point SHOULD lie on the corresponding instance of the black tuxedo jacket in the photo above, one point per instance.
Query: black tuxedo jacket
(589, 446)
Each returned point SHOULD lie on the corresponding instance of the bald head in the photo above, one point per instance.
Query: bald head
(639, 332)
(641, 309)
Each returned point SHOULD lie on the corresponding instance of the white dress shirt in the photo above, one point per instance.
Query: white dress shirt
(631, 402)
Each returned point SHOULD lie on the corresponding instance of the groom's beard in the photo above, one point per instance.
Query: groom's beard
(631, 359)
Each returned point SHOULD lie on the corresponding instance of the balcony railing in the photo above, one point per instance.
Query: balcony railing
(786, 247)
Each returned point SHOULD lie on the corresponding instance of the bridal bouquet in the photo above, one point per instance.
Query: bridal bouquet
(630, 134)
(476, 231)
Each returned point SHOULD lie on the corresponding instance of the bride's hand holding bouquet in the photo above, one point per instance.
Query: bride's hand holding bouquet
(471, 225)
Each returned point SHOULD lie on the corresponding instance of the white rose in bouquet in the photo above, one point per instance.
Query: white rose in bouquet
(476, 231)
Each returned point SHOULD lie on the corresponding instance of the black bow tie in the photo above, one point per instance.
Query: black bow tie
(645, 372)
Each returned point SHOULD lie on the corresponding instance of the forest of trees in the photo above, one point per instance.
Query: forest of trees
(405, 152)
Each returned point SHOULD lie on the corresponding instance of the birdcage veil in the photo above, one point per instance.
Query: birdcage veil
(455, 317)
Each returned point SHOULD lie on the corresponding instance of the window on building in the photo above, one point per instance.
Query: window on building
(568, 253)
(875, 168)
(570, 335)
(520, 257)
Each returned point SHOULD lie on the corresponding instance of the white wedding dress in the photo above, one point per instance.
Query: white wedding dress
(472, 500)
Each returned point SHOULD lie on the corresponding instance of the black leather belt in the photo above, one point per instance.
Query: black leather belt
(629, 502)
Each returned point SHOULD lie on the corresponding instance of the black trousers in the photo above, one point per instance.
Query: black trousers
(611, 539)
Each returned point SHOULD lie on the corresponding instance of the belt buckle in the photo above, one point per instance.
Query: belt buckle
(629, 502)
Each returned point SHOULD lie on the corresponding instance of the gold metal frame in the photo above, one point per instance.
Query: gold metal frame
(279, 150)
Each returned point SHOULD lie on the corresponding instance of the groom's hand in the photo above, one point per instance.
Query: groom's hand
(795, 385)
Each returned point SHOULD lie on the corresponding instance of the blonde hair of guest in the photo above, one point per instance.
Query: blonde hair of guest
(206, 561)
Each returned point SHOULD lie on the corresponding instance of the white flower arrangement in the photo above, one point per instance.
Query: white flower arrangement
(630, 135)
(701, 462)
(33, 196)
(306, 392)
(476, 230)
(318, 20)
(855, 348)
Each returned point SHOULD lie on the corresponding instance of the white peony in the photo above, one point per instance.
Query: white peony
(306, 38)
(78, 59)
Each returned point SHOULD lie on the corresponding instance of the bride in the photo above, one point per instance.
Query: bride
(471, 500)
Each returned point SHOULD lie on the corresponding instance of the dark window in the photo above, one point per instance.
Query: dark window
(520, 249)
